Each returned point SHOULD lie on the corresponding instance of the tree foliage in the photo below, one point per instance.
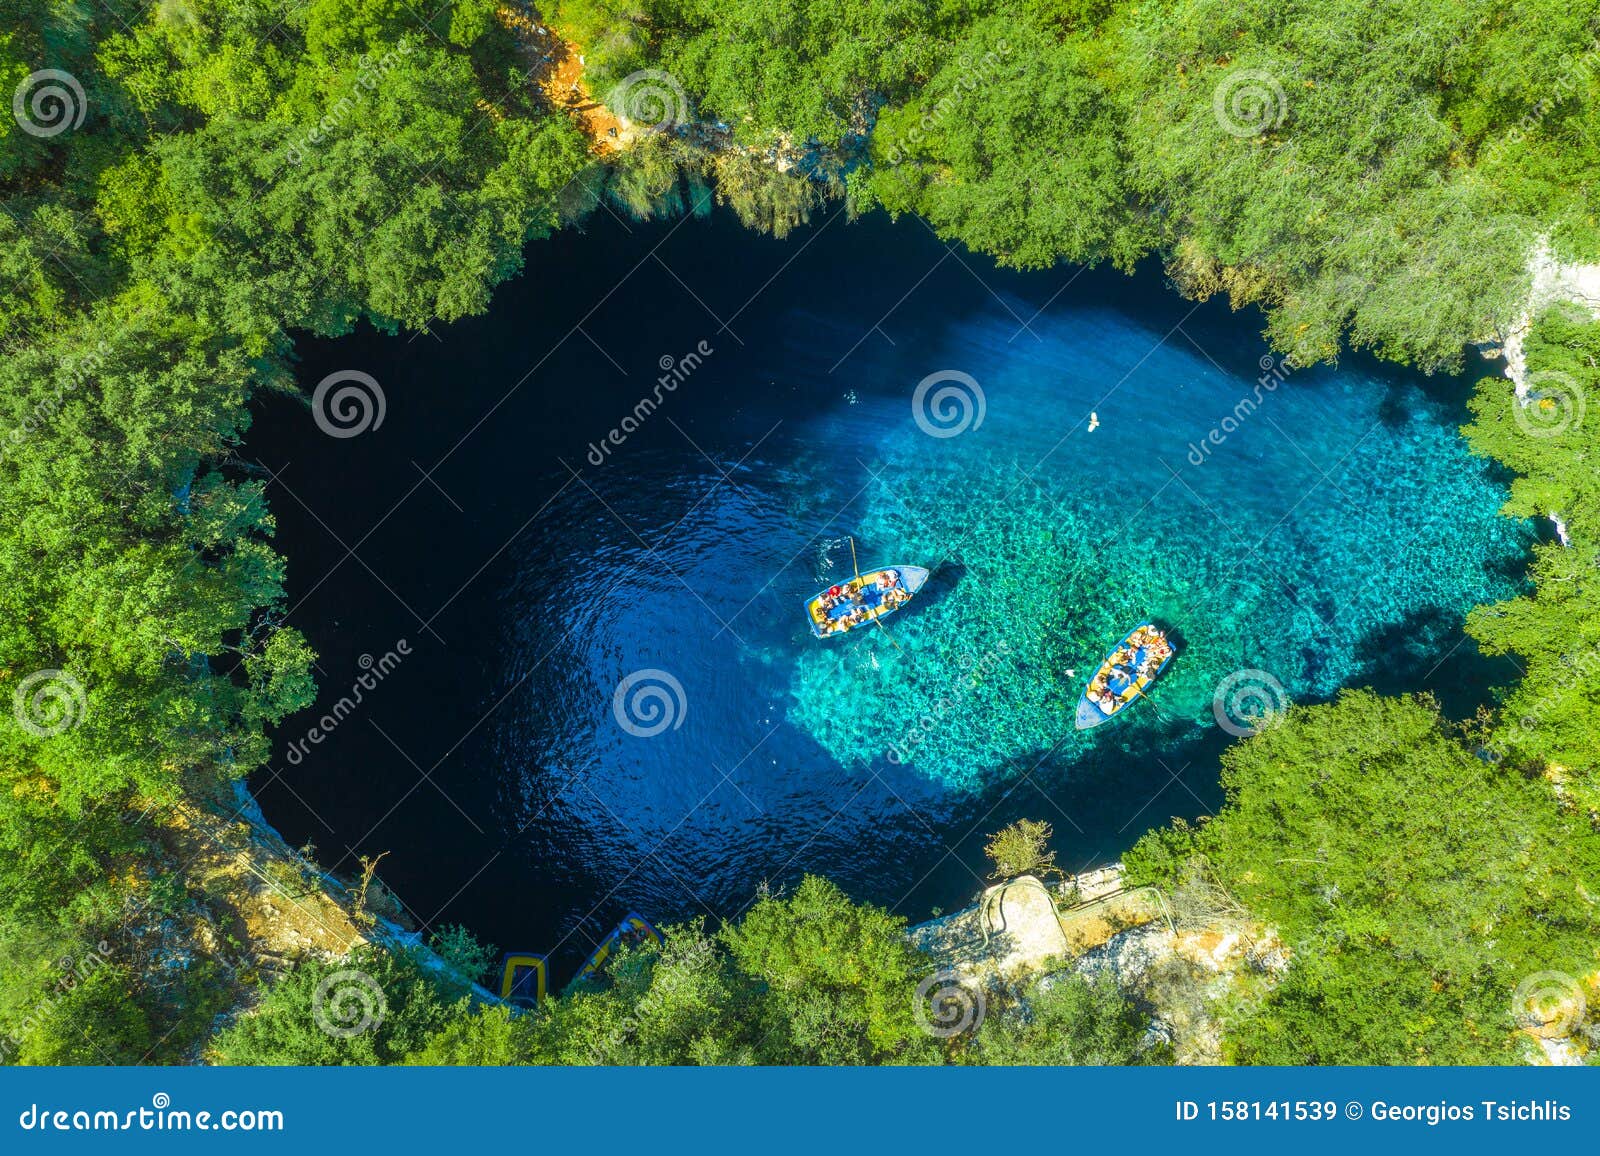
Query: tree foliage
(1416, 883)
(196, 179)
(1372, 174)
(1068, 1020)
(810, 977)
(1549, 721)
(1023, 848)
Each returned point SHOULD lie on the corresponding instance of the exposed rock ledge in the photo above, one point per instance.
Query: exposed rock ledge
(1552, 281)
(1024, 929)
(261, 907)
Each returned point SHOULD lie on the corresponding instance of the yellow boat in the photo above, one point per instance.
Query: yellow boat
(634, 929)
(524, 978)
(840, 609)
(1125, 675)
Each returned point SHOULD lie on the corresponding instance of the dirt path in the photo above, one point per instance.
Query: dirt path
(557, 71)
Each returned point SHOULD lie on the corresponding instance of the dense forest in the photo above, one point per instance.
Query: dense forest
(188, 184)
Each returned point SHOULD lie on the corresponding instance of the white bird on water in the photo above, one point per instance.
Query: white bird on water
(1094, 421)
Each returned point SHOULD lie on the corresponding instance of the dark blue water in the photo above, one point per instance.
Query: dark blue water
(1330, 532)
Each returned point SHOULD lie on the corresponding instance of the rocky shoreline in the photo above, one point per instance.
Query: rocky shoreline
(1023, 930)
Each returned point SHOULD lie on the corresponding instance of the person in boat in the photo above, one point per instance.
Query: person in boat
(888, 580)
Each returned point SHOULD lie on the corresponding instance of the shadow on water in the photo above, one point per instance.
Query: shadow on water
(944, 578)
(1427, 651)
(1097, 804)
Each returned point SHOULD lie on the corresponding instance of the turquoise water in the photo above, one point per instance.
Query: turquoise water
(1334, 512)
(1332, 532)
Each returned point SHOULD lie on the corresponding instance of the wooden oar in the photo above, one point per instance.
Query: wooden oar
(856, 566)
(886, 634)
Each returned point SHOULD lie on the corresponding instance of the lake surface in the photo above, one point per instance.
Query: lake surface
(590, 686)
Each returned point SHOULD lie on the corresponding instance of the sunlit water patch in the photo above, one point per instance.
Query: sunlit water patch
(1297, 531)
